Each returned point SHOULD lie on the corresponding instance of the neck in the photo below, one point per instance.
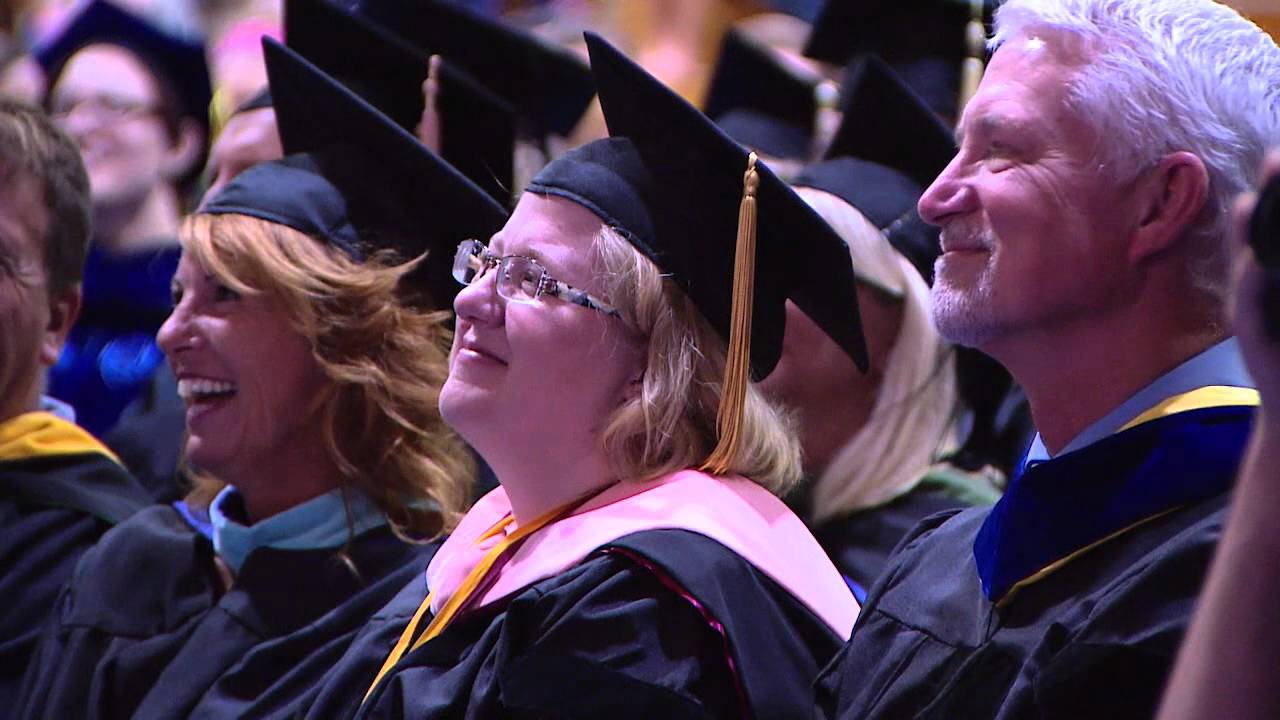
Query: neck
(20, 401)
(138, 224)
(283, 481)
(1073, 378)
(537, 482)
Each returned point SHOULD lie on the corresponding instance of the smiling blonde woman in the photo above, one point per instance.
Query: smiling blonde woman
(309, 347)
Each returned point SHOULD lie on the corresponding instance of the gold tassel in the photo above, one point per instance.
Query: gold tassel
(973, 67)
(737, 369)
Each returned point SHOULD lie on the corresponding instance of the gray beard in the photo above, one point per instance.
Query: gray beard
(964, 316)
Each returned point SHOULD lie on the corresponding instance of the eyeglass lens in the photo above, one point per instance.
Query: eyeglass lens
(518, 277)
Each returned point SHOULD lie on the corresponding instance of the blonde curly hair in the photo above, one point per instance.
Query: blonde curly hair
(670, 424)
(382, 347)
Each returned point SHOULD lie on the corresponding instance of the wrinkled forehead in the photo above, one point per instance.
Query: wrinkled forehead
(1029, 82)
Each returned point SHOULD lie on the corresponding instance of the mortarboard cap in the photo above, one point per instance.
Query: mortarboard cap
(357, 180)
(477, 128)
(760, 103)
(768, 135)
(889, 147)
(672, 183)
(924, 41)
(549, 87)
(178, 62)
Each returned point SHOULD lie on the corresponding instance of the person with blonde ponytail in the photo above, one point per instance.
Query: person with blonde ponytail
(309, 344)
(911, 410)
(876, 444)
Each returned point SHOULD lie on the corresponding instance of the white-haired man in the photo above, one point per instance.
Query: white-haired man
(1084, 225)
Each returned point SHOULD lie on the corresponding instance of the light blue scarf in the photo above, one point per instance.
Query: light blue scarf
(321, 522)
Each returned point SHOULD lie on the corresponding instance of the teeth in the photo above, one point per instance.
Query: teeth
(198, 388)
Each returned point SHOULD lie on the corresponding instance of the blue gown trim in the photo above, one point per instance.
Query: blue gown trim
(325, 521)
(198, 519)
(1072, 502)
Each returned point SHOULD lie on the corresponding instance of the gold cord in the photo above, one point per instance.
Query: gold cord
(737, 370)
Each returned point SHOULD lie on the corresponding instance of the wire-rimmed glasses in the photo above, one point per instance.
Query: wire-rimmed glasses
(520, 279)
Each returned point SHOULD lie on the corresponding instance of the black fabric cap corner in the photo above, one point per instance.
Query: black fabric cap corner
(758, 102)
(886, 122)
(769, 136)
(357, 180)
(549, 87)
(258, 101)
(889, 147)
(671, 182)
(923, 40)
(477, 128)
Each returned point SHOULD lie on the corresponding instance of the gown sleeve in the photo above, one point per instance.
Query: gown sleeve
(116, 624)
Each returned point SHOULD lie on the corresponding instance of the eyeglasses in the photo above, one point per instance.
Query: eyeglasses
(101, 107)
(520, 279)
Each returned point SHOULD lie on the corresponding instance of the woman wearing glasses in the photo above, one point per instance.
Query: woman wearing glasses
(635, 561)
(309, 354)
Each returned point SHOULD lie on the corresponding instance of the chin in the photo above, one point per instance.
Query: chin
(108, 191)
(466, 407)
(210, 460)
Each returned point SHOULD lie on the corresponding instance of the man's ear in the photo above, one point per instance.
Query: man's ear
(63, 311)
(1170, 197)
(185, 150)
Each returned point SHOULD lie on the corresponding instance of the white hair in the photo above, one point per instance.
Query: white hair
(1166, 76)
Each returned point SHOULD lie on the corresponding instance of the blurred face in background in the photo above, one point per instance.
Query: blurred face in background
(23, 79)
(111, 105)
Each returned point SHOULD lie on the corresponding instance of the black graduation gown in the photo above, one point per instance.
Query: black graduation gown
(645, 627)
(860, 543)
(144, 631)
(973, 618)
(52, 509)
(148, 436)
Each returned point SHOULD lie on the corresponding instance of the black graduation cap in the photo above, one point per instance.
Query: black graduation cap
(549, 87)
(923, 40)
(477, 128)
(698, 205)
(179, 62)
(356, 179)
(672, 183)
(760, 103)
(889, 147)
(770, 136)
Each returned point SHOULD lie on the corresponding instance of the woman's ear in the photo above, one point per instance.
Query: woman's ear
(634, 386)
